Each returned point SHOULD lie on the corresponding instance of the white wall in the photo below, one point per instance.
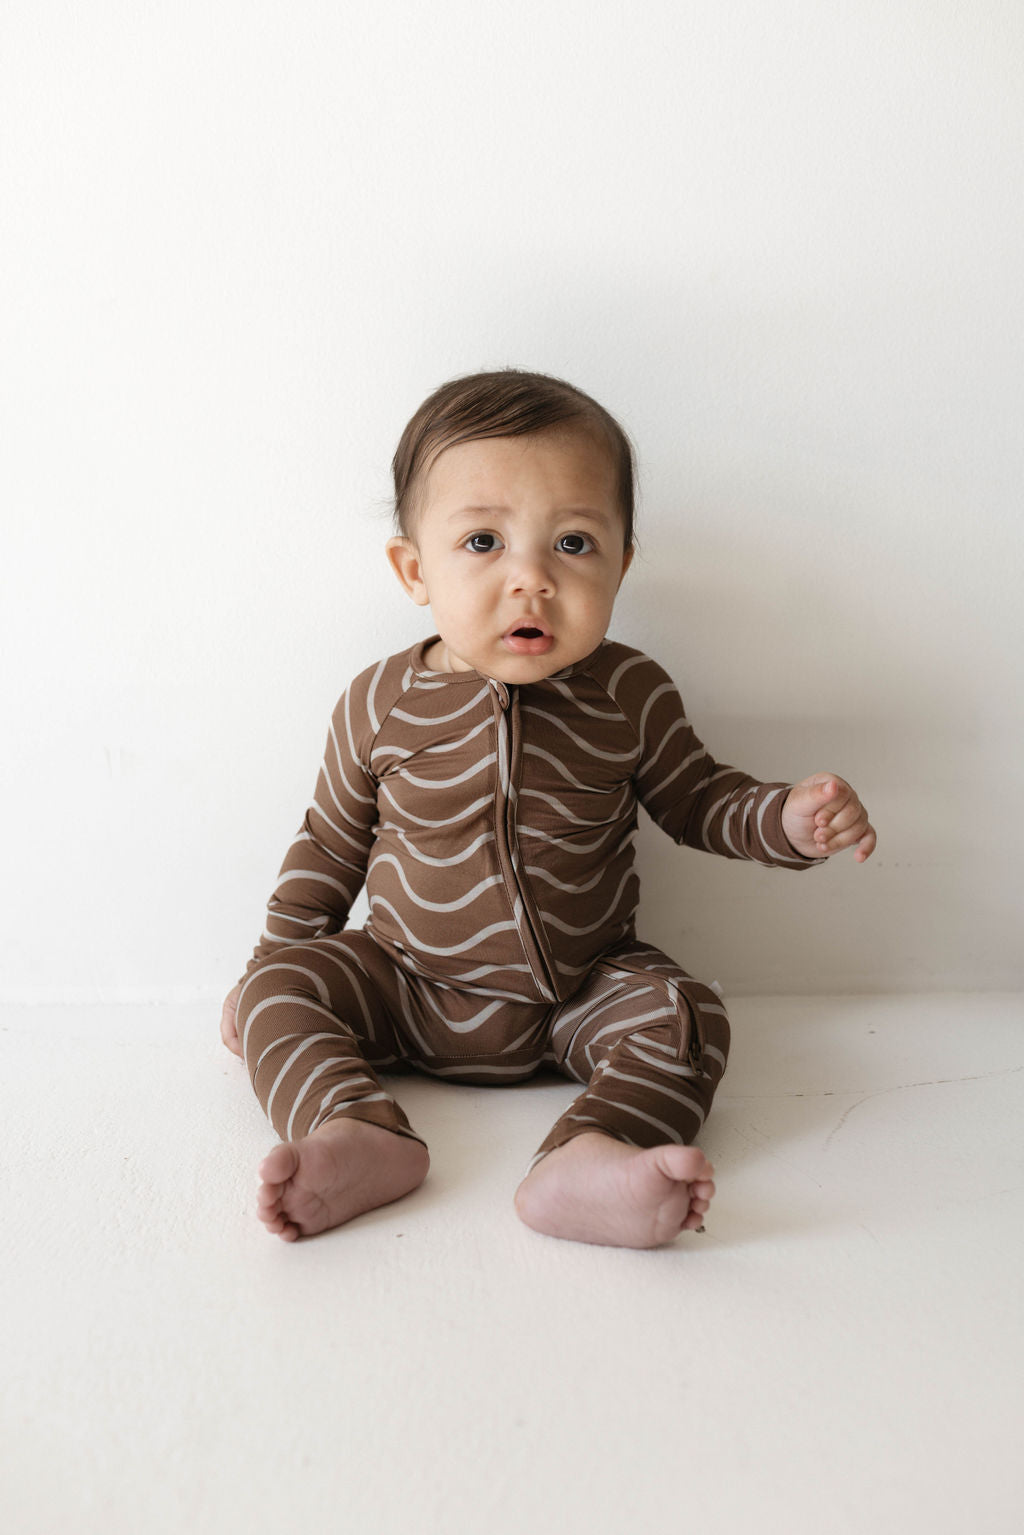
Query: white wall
(243, 240)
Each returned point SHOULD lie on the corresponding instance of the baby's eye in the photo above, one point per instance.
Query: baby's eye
(575, 543)
(482, 543)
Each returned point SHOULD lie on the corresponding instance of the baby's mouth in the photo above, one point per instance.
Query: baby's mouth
(527, 639)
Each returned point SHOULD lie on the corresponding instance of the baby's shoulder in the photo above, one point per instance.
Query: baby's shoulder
(372, 694)
(629, 676)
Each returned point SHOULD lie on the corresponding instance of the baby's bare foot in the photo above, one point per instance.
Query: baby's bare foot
(343, 1169)
(596, 1189)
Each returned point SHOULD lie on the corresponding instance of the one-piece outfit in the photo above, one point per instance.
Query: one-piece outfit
(494, 826)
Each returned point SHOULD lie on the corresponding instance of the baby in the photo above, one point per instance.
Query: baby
(484, 785)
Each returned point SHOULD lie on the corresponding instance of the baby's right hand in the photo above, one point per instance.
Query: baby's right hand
(228, 1030)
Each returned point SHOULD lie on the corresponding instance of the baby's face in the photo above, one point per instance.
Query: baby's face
(517, 547)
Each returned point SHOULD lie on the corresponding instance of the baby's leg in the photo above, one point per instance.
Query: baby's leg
(310, 1020)
(651, 1044)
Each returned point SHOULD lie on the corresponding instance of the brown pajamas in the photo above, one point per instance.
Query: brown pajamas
(494, 827)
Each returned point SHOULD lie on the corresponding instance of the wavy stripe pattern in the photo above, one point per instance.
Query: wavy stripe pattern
(494, 829)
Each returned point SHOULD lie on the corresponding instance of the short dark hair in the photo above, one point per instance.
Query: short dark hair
(505, 403)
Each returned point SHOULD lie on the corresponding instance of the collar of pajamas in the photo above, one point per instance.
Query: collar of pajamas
(494, 827)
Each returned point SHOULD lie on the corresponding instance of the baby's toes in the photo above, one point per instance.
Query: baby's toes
(280, 1164)
(268, 1199)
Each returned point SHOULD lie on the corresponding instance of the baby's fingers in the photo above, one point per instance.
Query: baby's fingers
(861, 834)
(866, 845)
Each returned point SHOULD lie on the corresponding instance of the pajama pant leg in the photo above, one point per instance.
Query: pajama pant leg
(313, 1020)
(650, 1042)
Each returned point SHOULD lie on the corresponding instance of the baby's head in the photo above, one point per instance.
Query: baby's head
(514, 499)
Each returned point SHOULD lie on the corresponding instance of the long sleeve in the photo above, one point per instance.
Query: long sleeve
(324, 869)
(699, 802)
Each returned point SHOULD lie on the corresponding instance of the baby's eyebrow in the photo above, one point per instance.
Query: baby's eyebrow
(474, 511)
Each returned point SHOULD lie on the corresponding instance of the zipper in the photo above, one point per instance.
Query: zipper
(508, 842)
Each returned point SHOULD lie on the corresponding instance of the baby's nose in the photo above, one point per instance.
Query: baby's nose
(532, 575)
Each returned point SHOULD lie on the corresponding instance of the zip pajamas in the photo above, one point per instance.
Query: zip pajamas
(494, 827)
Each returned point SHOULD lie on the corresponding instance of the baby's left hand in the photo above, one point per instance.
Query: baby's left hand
(822, 815)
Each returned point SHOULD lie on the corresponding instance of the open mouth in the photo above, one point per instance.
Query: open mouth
(528, 639)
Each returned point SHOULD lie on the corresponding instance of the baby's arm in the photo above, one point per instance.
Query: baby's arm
(823, 815)
(324, 868)
(706, 804)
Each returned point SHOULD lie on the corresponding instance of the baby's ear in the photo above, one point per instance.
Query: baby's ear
(405, 562)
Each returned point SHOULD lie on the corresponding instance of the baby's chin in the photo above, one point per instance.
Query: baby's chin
(516, 670)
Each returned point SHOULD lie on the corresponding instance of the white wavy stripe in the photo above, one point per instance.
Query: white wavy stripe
(776, 856)
(474, 942)
(289, 999)
(326, 767)
(576, 848)
(280, 915)
(652, 698)
(620, 671)
(682, 724)
(589, 1016)
(405, 752)
(446, 783)
(659, 1124)
(466, 977)
(713, 1050)
(594, 1010)
(560, 767)
(317, 1072)
(321, 991)
(288, 875)
(551, 920)
(363, 798)
(452, 820)
(520, 1041)
(444, 863)
(595, 714)
(341, 809)
(540, 873)
(577, 820)
(465, 1025)
(645, 1082)
(355, 977)
(311, 1039)
(622, 1026)
(649, 795)
(438, 719)
(372, 694)
(715, 809)
(407, 1008)
(671, 1067)
(584, 745)
(357, 843)
(456, 905)
(339, 1108)
(275, 1044)
(712, 1007)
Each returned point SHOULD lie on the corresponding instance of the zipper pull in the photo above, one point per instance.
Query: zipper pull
(501, 690)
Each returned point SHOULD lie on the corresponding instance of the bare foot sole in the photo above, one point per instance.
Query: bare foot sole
(343, 1169)
(596, 1189)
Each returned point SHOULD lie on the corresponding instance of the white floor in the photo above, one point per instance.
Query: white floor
(841, 1352)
